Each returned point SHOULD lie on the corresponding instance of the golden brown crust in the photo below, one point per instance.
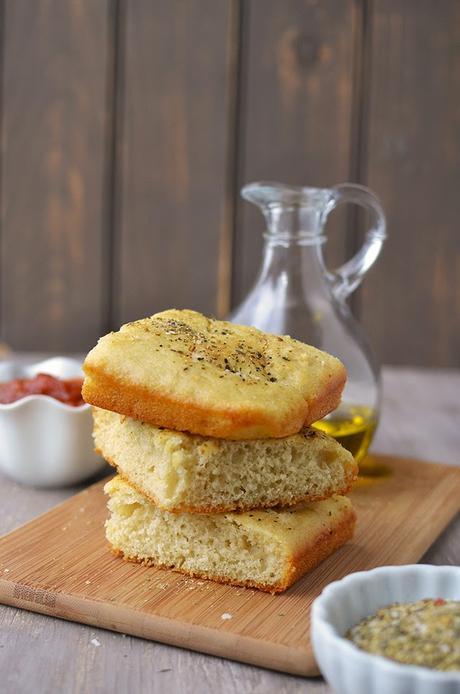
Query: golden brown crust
(238, 507)
(104, 391)
(330, 400)
(325, 544)
(306, 560)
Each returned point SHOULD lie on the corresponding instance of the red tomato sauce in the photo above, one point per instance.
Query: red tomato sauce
(65, 390)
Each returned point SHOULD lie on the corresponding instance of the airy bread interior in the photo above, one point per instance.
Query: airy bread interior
(267, 549)
(184, 472)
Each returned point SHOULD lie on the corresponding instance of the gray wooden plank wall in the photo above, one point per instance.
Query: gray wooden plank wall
(128, 127)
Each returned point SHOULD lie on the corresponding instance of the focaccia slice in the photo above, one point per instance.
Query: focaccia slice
(268, 549)
(183, 371)
(187, 472)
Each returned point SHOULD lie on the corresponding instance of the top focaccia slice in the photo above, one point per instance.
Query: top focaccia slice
(184, 371)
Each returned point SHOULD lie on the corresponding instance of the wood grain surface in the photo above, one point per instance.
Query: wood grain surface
(53, 269)
(60, 565)
(296, 110)
(176, 72)
(129, 126)
(412, 158)
(66, 657)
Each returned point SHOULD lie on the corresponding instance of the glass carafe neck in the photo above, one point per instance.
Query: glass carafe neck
(295, 214)
(292, 215)
(295, 220)
(294, 264)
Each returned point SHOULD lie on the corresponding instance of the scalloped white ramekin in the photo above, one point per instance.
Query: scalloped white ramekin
(44, 442)
(344, 603)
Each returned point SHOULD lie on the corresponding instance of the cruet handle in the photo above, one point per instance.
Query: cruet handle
(348, 276)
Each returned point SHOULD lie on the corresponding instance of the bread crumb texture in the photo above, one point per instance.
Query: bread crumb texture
(186, 472)
(184, 371)
(266, 549)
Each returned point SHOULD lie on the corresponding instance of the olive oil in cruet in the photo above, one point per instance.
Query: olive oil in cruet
(352, 426)
(296, 294)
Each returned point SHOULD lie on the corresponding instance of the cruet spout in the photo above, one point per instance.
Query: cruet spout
(300, 213)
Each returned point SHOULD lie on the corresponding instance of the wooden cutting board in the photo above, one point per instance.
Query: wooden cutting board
(59, 564)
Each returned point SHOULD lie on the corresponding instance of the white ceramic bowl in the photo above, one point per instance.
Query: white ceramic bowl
(342, 604)
(44, 442)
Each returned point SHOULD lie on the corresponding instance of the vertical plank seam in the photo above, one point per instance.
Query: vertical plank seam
(239, 141)
(359, 125)
(225, 260)
(2, 153)
(114, 128)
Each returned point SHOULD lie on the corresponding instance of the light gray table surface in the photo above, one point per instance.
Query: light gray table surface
(38, 654)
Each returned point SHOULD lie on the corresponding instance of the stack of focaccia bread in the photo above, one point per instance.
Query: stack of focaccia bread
(219, 475)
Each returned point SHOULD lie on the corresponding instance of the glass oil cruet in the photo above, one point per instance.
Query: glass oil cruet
(296, 294)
